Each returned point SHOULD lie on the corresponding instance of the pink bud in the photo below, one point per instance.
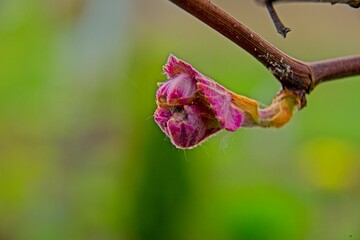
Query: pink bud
(192, 107)
(177, 91)
(186, 128)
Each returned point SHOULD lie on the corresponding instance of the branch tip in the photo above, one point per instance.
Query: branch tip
(275, 18)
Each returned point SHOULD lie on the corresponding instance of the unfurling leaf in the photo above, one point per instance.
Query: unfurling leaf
(193, 107)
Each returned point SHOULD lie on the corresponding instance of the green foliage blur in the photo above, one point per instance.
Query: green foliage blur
(81, 157)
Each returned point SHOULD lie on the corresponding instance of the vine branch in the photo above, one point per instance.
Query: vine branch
(298, 76)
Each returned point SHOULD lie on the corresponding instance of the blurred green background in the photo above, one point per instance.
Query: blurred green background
(81, 157)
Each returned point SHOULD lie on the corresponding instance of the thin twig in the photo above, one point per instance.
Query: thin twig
(278, 24)
(352, 3)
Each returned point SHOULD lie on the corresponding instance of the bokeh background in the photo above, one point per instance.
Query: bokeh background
(81, 157)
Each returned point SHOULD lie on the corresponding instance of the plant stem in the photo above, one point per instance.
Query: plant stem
(333, 69)
(290, 72)
(278, 24)
(293, 74)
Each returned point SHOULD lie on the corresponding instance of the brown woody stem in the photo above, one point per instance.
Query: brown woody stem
(293, 74)
(289, 71)
(335, 68)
